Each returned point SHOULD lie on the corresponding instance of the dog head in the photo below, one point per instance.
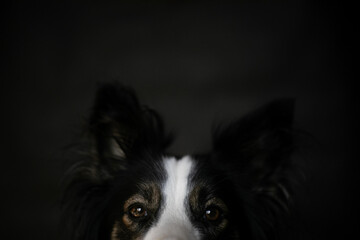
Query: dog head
(131, 188)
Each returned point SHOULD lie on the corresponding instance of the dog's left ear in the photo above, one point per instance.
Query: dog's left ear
(259, 147)
(122, 128)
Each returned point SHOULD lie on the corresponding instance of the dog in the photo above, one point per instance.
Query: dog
(131, 188)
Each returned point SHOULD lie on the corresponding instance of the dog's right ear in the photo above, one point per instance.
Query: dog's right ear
(122, 128)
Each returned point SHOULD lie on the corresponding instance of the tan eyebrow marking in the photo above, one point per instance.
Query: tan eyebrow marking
(137, 198)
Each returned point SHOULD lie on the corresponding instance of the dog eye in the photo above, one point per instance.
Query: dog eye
(212, 214)
(138, 211)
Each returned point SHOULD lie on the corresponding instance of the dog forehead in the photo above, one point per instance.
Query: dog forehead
(178, 172)
(174, 213)
(176, 179)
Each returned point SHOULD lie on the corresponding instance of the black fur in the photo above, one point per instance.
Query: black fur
(248, 167)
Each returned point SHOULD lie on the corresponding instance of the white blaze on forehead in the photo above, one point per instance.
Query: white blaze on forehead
(176, 187)
(174, 222)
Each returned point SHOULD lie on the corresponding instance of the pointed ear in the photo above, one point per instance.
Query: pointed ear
(259, 147)
(122, 128)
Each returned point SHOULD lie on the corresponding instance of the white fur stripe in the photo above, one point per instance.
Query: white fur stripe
(174, 222)
(176, 188)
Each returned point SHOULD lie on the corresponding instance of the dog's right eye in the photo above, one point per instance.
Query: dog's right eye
(138, 211)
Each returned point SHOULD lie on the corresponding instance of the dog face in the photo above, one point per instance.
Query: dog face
(184, 198)
(131, 188)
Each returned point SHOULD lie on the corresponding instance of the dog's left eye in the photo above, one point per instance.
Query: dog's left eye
(138, 211)
(212, 214)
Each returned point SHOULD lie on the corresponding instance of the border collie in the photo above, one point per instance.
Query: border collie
(130, 187)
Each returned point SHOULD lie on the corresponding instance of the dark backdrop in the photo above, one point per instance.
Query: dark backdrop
(196, 64)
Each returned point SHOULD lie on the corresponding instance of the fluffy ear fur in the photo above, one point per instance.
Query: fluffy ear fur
(122, 128)
(259, 147)
(122, 131)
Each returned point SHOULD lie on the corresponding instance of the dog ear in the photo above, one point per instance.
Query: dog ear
(122, 128)
(259, 147)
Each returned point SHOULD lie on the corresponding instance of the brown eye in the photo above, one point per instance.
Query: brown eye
(138, 211)
(212, 214)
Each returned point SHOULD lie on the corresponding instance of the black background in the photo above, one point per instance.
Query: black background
(195, 63)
